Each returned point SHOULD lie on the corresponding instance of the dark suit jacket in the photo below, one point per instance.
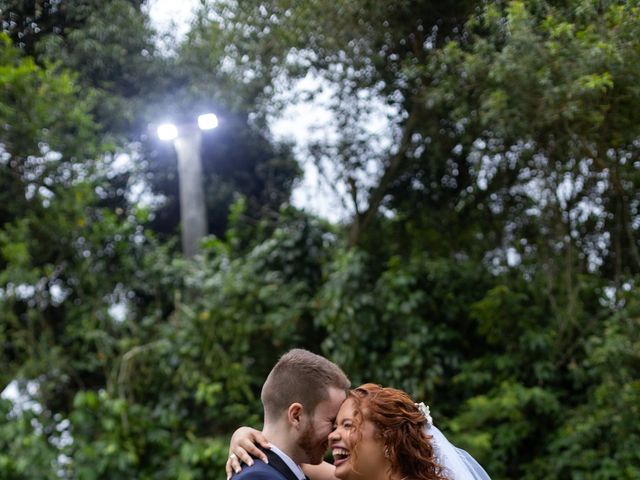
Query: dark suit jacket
(276, 469)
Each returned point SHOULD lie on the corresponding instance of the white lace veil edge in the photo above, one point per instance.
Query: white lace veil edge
(457, 463)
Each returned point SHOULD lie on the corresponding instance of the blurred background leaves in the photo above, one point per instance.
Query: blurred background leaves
(487, 261)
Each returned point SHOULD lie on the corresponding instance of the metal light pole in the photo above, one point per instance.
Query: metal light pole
(187, 140)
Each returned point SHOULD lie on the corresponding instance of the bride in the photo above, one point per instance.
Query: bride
(380, 434)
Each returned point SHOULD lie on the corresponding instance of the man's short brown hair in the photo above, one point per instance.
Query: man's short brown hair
(300, 377)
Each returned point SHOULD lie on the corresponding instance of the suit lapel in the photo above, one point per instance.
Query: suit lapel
(276, 462)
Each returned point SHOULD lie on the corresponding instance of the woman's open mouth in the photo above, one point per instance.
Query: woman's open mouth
(340, 455)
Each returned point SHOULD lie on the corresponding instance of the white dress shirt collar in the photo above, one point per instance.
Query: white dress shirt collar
(295, 468)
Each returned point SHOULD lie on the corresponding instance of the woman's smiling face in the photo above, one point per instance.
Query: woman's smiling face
(357, 450)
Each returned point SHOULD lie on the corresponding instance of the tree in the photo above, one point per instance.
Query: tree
(65, 259)
(108, 44)
(111, 47)
(364, 52)
(494, 278)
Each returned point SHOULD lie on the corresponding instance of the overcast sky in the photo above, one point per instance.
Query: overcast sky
(171, 15)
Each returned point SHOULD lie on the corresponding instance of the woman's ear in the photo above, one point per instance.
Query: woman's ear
(294, 414)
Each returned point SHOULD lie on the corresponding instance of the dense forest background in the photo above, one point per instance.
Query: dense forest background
(488, 262)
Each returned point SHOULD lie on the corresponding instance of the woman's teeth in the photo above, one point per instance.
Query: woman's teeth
(340, 454)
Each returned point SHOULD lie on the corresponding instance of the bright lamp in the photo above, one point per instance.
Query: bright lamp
(207, 121)
(167, 131)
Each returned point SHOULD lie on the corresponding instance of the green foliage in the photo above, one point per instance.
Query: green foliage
(612, 403)
(39, 103)
(507, 424)
(407, 326)
(110, 46)
(114, 437)
(26, 452)
(240, 314)
(500, 285)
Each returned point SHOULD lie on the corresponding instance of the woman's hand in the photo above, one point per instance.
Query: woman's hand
(243, 446)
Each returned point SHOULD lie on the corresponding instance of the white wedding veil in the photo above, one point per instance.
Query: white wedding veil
(458, 464)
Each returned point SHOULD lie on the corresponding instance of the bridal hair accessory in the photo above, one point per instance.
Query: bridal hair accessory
(426, 412)
(458, 463)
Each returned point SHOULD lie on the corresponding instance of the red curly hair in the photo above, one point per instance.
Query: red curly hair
(401, 426)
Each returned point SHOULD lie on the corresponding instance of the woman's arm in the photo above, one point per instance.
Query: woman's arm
(243, 446)
(324, 471)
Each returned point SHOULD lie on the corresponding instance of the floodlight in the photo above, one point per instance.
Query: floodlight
(167, 131)
(207, 121)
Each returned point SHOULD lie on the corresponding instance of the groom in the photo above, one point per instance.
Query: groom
(301, 398)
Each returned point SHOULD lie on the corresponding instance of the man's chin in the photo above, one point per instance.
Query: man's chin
(315, 459)
(313, 451)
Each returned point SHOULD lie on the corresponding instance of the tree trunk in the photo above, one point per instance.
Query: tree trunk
(363, 220)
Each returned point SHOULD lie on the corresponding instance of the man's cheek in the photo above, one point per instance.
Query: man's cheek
(327, 430)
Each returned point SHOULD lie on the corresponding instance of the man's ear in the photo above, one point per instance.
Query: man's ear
(294, 414)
